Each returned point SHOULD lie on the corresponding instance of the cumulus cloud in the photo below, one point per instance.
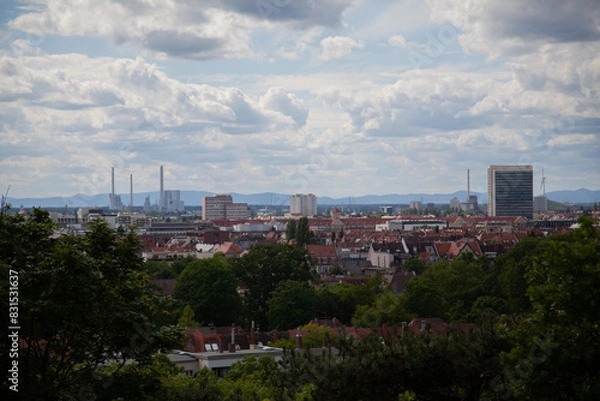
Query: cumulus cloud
(288, 104)
(510, 28)
(398, 41)
(102, 112)
(336, 47)
(193, 30)
(512, 82)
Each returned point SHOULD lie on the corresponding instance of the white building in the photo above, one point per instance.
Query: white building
(303, 205)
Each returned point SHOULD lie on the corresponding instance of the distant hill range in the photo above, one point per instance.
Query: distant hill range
(194, 198)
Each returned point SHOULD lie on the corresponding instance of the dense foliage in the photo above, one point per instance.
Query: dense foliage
(84, 301)
(86, 308)
(209, 287)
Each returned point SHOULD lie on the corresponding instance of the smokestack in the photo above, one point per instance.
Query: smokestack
(131, 191)
(468, 185)
(111, 197)
(162, 192)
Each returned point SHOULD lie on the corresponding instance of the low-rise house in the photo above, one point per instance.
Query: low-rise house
(323, 257)
(452, 250)
(385, 255)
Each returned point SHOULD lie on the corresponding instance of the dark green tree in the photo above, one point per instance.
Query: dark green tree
(250, 379)
(455, 365)
(83, 302)
(424, 298)
(290, 231)
(179, 265)
(303, 232)
(387, 309)
(507, 280)
(416, 265)
(341, 300)
(556, 351)
(292, 304)
(263, 268)
(209, 286)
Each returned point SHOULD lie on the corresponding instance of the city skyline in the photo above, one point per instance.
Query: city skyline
(336, 98)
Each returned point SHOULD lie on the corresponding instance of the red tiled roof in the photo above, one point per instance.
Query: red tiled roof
(321, 251)
(229, 248)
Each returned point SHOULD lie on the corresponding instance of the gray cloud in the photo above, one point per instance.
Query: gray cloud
(183, 44)
(548, 20)
(300, 14)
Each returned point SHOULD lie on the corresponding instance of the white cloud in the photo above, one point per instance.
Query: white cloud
(191, 30)
(512, 83)
(398, 41)
(336, 47)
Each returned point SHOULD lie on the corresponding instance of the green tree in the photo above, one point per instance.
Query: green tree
(263, 268)
(160, 270)
(455, 365)
(250, 379)
(556, 352)
(209, 286)
(416, 265)
(460, 284)
(186, 320)
(303, 232)
(290, 231)
(507, 280)
(387, 309)
(424, 298)
(179, 265)
(202, 387)
(83, 301)
(341, 300)
(292, 304)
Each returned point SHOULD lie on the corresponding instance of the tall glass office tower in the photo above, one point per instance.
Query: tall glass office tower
(510, 191)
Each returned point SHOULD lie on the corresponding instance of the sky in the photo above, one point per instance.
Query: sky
(334, 97)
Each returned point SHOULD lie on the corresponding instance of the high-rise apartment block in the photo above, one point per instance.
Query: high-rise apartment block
(221, 207)
(303, 205)
(172, 200)
(510, 191)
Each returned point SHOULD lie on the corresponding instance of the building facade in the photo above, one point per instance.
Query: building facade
(221, 207)
(172, 201)
(510, 191)
(540, 204)
(303, 205)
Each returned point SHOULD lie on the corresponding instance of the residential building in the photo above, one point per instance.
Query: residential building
(416, 205)
(221, 207)
(323, 257)
(303, 205)
(510, 191)
(128, 220)
(455, 204)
